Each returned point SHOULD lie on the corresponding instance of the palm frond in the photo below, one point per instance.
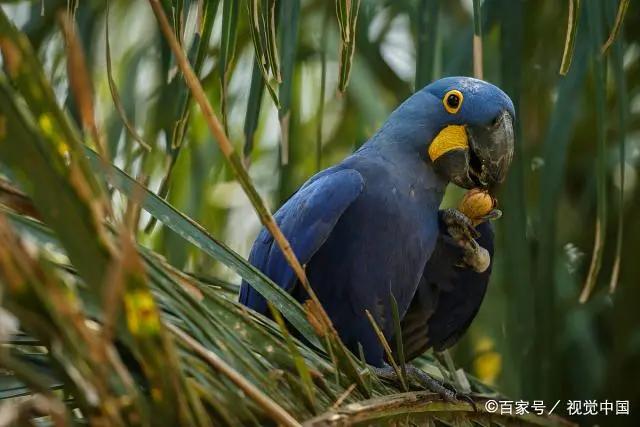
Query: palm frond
(105, 321)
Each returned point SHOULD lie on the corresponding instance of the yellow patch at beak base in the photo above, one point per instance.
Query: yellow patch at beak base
(449, 138)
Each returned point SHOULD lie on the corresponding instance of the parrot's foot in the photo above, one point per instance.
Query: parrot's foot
(476, 257)
(421, 380)
(459, 225)
(462, 229)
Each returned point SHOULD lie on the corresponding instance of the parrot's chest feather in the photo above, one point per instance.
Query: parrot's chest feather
(391, 228)
(402, 190)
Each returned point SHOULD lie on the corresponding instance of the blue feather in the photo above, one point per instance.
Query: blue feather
(306, 220)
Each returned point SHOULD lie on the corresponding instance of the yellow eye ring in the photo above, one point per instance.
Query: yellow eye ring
(453, 101)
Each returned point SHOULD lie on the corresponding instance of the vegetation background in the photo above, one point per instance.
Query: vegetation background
(569, 205)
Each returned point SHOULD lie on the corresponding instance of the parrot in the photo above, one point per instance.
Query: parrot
(367, 227)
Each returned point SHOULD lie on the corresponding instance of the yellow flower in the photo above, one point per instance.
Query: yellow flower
(488, 362)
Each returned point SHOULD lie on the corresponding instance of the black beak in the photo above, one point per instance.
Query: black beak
(483, 162)
(491, 152)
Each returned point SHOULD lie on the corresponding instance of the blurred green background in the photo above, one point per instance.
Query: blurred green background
(576, 164)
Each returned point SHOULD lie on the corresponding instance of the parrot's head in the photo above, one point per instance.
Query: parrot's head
(463, 127)
(472, 145)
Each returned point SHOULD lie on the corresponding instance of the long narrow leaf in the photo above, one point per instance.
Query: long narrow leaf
(253, 111)
(572, 31)
(622, 11)
(623, 105)
(323, 89)
(517, 265)
(262, 43)
(594, 11)
(289, 23)
(477, 40)
(428, 14)
(230, 12)
(347, 11)
(53, 175)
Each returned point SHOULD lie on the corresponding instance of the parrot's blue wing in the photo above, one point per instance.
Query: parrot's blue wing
(306, 220)
(459, 305)
(448, 297)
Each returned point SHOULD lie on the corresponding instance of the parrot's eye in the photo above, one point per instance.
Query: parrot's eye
(452, 101)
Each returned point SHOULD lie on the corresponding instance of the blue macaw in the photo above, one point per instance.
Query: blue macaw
(368, 226)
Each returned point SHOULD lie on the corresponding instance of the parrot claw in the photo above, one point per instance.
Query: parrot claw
(492, 215)
(461, 228)
(477, 258)
(419, 379)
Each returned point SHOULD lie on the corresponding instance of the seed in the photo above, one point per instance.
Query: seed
(477, 203)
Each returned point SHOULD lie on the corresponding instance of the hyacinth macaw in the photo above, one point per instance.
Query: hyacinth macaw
(368, 226)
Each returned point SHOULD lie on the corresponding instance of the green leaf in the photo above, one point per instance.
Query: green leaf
(196, 235)
(230, 12)
(622, 11)
(262, 27)
(426, 37)
(572, 31)
(397, 330)
(347, 11)
(289, 23)
(594, 13)
(252, 116)
(11, 386)
(323, 88)
(54, 174)
(513, 227)
(477, 41)
(617, 60)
